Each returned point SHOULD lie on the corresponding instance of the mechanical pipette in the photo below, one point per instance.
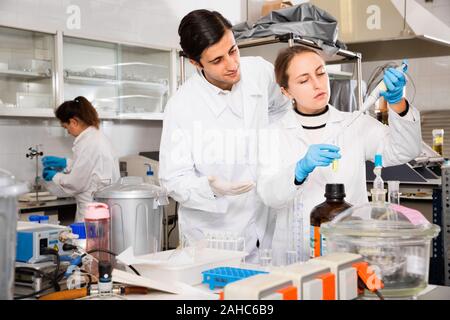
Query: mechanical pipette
(371, 99)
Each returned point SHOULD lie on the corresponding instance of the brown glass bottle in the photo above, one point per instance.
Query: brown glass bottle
(324, 212)
(383, 114)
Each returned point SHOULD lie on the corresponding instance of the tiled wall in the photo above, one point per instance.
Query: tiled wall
(17, 135)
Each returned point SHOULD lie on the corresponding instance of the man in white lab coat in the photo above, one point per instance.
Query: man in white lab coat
(208, 146)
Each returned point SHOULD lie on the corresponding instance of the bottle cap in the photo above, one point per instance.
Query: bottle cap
(149, 170)
(96, 210)
(80, 229)
(38, 218)
(104, 271)
(378, 160)
(334, 190)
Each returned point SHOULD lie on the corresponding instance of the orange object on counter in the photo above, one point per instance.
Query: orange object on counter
(288, 293)
(368, 276)
(328, 285)
(66, 294)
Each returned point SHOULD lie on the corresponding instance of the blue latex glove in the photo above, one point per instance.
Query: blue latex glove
(54, 162)
(48, 174)
(318, 155)
(395, 82)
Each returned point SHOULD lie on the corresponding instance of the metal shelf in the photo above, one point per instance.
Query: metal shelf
(103, 115)
(131, 116)
(126, 83)
(89, 80)
(17, 74)
(27, 112)
(291, 39)
(149, 85)
(340, 56)
(141, 116)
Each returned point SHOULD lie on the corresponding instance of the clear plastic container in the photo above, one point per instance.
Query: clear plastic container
(393, 239)
(98, 223)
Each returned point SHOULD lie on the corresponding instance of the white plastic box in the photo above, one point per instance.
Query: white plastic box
(190, 273)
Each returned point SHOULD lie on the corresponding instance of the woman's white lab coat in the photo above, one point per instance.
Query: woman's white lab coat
(398, 143)
(203, 137)
(93, 166)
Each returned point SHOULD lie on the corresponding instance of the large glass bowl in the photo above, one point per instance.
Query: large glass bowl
(394, 240)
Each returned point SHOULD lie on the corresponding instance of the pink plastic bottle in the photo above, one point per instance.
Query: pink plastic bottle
(98, 222)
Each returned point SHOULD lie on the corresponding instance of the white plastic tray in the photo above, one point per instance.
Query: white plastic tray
(190, 273)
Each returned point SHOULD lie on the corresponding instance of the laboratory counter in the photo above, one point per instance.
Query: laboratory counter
(202, 292)
(61, 209)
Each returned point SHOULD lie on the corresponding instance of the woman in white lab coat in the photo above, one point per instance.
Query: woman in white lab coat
(294, 181)
(93, 164)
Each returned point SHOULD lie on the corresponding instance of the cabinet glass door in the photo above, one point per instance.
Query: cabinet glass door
(26, 72)
(144, 80)
(90, 70)
(121, 81)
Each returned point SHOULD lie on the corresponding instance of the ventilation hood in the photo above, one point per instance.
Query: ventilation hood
(389, 29)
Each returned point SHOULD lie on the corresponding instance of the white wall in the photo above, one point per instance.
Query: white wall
(147, 22)
(431, 76)
(138, 21)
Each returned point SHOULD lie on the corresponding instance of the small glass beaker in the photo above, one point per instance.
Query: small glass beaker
(438, 140)
(394, 192)
(265, 257)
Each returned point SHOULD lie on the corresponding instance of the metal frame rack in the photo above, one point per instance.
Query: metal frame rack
(445, 227)
(440, 253)
(341, 56)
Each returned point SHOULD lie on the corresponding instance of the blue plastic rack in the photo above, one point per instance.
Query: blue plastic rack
(219, 277)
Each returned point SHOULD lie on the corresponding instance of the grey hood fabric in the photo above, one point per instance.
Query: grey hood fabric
(304, 20)
(344, 94)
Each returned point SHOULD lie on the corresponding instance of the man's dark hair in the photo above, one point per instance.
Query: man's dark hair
(199, 30)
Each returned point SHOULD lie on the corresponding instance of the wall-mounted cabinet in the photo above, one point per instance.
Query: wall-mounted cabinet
(38, 71)
(27, 70)
(121, 81)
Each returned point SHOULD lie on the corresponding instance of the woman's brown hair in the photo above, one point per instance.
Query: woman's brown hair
(79, 108)
(283, 60)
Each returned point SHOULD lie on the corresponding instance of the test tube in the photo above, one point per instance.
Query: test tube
(291, 257)
(265, 257)
(394, 192)
(335, 163)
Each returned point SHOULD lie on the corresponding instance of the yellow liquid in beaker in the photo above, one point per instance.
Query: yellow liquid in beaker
(335, 165)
